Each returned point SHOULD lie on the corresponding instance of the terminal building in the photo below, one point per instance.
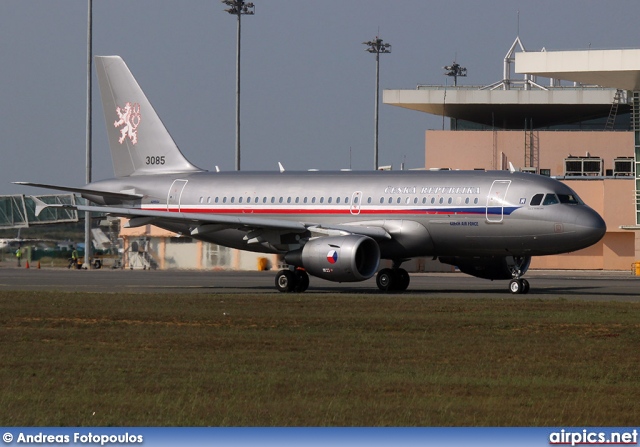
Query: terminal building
(581, 124)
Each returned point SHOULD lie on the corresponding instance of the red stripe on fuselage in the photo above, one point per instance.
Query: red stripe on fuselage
(316, 211)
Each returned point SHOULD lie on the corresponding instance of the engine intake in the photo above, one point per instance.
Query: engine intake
(338, 258)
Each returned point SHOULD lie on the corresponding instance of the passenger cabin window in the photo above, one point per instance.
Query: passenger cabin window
(536, 200)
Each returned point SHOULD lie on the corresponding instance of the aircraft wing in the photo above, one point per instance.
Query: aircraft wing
(204, 222)
(95, 192)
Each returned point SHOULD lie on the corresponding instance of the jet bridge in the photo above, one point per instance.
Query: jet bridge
(18, 211)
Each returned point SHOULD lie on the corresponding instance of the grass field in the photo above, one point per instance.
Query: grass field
(316, 360)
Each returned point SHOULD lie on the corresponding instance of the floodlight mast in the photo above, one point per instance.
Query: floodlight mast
(88, 162)
(238, 8)
(378, 47)
(455, 70)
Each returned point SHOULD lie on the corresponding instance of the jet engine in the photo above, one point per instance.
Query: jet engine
(494, 267)
(338, 258)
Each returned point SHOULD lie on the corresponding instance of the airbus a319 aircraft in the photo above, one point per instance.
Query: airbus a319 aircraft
(332, 225)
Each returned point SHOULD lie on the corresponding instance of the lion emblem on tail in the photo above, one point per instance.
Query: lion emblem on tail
(129, 117)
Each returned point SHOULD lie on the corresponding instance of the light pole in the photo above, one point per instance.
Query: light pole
(377, 46)
(455, 70)
(87, 214)
(238, 8)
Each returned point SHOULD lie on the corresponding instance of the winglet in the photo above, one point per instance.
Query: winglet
(511, 168)
(281, 167)
(41, 206)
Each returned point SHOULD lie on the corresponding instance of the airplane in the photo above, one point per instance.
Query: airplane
(16, 242)
(333, 225)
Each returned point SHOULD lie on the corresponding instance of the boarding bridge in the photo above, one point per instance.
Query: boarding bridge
(18, 211)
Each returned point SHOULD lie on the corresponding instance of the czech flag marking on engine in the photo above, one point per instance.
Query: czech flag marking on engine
(332, 256)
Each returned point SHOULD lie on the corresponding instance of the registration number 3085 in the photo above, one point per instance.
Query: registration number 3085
(155, 160)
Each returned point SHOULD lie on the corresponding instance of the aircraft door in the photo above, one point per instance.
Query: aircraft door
(496, 200)
(175, 194)
(356, 199)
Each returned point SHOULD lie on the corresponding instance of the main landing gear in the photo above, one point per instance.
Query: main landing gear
(393, 280)
(292, 281)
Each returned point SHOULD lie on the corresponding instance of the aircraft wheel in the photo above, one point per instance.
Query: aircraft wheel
(403, 280)
(385, 280)
(302, 281)
(525, 286)
(516, 286)
(285, 281)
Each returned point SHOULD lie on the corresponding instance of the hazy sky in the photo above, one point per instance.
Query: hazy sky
(308, 84)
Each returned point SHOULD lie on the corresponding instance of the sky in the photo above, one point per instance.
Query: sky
(307, 84)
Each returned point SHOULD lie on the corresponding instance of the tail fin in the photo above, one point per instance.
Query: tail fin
(139, 142)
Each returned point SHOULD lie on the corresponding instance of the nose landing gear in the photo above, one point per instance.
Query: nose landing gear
(518, 285)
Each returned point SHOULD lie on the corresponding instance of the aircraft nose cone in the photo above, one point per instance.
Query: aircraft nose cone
(590, 227)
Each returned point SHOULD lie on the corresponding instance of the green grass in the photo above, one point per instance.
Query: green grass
(315, 360)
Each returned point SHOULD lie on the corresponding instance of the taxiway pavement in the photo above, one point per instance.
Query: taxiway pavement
(583, 285)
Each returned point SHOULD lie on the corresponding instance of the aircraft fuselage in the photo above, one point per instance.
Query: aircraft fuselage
(427, 213)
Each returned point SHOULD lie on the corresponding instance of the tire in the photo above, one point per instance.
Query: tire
(525, 286)
(516, 286)
(403, 280)
(385, 280)
(301, 281)
(285, 281)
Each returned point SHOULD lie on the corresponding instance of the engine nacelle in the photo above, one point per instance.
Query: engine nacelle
(338, 258)
(494, 267)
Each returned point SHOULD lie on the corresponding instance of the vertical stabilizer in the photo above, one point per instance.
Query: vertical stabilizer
(138, 140)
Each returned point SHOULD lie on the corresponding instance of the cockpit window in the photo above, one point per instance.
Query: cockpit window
(571, 199)
(550, 199)
(536, 200)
